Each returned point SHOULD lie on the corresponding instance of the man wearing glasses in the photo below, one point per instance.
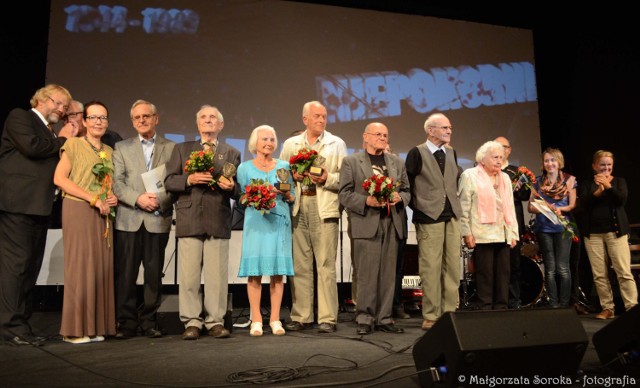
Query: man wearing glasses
(29, 153)
(143, 222)
(376, 227)
(433, 175)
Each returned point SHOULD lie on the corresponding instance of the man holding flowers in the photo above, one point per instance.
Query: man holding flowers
(203, 224)
(315, 221)
(374, 189)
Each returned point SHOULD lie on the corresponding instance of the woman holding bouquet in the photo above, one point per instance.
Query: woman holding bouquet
(606, 233)
(266, 238)
(488, 224)
(88, 309)
(557, 189)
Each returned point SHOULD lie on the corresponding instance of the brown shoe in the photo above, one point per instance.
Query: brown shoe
(218, 331)
(580, 309)
(192, 333)
(427, 324)
(605, 314)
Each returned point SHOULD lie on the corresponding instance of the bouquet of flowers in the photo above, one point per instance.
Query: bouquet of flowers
(525, 176)
(555, 215)
(569, 226)
(103, 171)
(200, 161)
(260, 195)
(379, 186)
(302, 161)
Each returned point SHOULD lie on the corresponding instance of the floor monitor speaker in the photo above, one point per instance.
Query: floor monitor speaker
(524, 347)
(618, 343)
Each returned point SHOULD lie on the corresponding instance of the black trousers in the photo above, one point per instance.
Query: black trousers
(22, 241)
(133, 248)
(492, 275)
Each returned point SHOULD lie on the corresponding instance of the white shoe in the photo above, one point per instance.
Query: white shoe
(77, 340)
(97, 338)
(256, 329)
(276, 328)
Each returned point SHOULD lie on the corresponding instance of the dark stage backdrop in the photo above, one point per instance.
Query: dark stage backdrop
(586, 70)
(259, 61)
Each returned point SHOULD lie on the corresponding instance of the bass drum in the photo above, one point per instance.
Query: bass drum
(531, 282)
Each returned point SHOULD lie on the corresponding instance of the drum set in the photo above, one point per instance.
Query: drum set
(532, 287)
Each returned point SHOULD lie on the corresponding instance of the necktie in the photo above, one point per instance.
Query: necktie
(209, 146)
(440, 158)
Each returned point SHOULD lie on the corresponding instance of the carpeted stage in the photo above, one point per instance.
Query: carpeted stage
(301, 359)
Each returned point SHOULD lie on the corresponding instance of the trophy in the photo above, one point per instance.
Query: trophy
(316, 167)
(228, 172)
(283, 177)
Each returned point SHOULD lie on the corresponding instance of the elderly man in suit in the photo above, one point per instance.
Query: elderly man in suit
(203, 227)
(376, 227)
(143, 222)
(433, 176)
(29, 153)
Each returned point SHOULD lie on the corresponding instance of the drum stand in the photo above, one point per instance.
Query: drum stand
(467, 277)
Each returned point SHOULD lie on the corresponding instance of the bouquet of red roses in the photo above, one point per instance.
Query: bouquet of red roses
(200, 161)
(525, 176)
(302, 161)
(379, 186)
(260, 195)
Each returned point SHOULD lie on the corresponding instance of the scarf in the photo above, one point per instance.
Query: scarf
(558, 189)
(487, 206)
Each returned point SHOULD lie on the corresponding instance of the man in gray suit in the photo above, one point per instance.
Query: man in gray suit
(203, 227)
(433, 175)
(375, 227)
(143, 222)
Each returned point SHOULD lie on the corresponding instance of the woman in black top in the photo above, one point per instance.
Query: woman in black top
(606, 233)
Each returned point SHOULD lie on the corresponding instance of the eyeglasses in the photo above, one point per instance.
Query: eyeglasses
(59, 104)
(139, 117)
(445, 127)
(378, 134)
(94, 118)
(72, 114)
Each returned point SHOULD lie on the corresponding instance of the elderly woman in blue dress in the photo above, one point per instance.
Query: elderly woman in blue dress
(266, 238)
(488, 224)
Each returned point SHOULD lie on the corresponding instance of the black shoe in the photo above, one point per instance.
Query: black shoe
(390, 328)
(399, 313)
(297, 326)
(326, 327)
(27, 339)
(363, 329)
(152, 333)
(125, 334)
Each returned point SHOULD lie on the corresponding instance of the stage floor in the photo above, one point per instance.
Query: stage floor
(302, 359)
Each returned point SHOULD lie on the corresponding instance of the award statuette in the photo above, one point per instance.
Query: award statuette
(316, 167)
(228, 172)
(283, 177)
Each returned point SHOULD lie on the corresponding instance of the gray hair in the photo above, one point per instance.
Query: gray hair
(484, 149)
(143, 102)
(253, 139)
(219, 115)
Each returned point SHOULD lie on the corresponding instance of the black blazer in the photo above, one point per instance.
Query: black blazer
(29, 154)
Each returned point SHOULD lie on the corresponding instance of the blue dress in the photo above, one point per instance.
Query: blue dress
(266, 239)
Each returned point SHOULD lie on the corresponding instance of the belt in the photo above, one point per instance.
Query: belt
(309, 193)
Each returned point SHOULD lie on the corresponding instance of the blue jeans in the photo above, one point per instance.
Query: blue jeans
(556, 248)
